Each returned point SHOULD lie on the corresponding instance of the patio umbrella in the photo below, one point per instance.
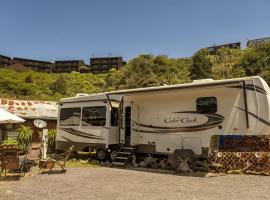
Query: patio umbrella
(7, 117)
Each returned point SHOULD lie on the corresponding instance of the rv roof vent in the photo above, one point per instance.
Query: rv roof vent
(202, 80)
(81, 95)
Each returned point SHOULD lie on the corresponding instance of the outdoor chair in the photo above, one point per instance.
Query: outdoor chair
(11, 160)
(33, 154)
(55, 159)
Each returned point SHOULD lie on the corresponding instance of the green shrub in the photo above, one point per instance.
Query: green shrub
(51, 140)
(24, 137)
(9, 141)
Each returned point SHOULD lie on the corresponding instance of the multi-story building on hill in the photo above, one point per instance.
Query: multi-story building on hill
(259, 41)
(36, 65)
(213, 49)
(104, 64)
(67, 66)
(97, 65)
(5, 61)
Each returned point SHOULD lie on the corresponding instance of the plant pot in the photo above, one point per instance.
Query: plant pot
(46, 164)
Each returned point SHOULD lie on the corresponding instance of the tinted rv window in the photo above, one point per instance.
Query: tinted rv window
(114, 116)
(70, 116)
(206, 105)
(94, 116)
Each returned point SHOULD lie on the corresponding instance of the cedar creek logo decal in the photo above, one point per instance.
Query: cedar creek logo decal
(188, 121)
(183, 120)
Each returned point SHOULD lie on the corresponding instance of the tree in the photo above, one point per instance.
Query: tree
(148, 70)
(224, 63)
(256, 61)
(59, 85)
(28, 79)
(201, 65)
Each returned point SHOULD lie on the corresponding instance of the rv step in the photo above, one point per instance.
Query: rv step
(122, 158)
(123, 152)
(118, 163)
(128, 148)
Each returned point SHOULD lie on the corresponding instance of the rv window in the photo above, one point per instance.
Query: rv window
(94, 116)
(70, 116)
(206, 105)
(114, 116)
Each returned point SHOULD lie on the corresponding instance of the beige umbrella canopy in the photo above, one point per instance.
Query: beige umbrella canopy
(7, 117)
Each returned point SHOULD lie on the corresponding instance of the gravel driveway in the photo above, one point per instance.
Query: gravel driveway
(110, 183)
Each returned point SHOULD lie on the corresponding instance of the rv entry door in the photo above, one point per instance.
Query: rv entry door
(114, 125)
(127, 125)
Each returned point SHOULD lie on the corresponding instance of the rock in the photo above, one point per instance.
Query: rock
(142, 164)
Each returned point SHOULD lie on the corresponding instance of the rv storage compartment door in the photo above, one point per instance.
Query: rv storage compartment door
(193, 143)
(167, 143)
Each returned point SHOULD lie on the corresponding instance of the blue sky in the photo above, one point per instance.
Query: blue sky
(78, 29)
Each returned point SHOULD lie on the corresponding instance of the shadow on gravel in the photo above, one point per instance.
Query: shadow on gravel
(53, 172)
(169, 172)
(10, 178)
(91, 157)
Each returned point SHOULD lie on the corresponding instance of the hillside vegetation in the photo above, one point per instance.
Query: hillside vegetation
(142, 71)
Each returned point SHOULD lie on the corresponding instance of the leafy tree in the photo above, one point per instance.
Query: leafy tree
(28, 79)
(224, 63)
(148, 70)
(256, 61)
(142, 71)
(201, 65)
(59, 86)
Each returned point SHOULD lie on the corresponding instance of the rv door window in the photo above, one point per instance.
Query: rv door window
(206, 105)
(114, 116)
(94, 116)
(70, 116)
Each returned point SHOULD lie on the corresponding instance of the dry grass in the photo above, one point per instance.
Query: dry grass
(81, 163)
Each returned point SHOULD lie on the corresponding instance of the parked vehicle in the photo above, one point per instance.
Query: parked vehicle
(163, 119)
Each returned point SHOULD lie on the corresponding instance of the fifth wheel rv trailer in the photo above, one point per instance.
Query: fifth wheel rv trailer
(160, 120)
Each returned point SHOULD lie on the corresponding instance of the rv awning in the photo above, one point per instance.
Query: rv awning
(7, 117)
(217, 84)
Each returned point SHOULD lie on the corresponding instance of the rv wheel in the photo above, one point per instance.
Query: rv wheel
(101, 154)
(113, 154)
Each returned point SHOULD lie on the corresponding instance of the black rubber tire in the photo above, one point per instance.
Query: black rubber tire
(113, 154)
(101, 155)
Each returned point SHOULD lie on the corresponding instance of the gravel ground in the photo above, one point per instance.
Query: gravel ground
(110, 183)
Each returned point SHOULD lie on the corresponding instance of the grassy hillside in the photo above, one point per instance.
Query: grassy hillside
(142, 71)
(43, 86)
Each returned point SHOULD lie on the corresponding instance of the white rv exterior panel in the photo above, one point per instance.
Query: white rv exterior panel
(168, 143)
(193, 143)
(173, 112)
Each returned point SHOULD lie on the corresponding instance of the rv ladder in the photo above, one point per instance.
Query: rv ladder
(123, 156)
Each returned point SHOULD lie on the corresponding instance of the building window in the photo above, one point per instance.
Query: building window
(94, 116)
(114, 116)
(206, 105)
(70, 116)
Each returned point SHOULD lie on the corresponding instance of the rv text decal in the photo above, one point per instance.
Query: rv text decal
(188, 121)
(185, 119)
